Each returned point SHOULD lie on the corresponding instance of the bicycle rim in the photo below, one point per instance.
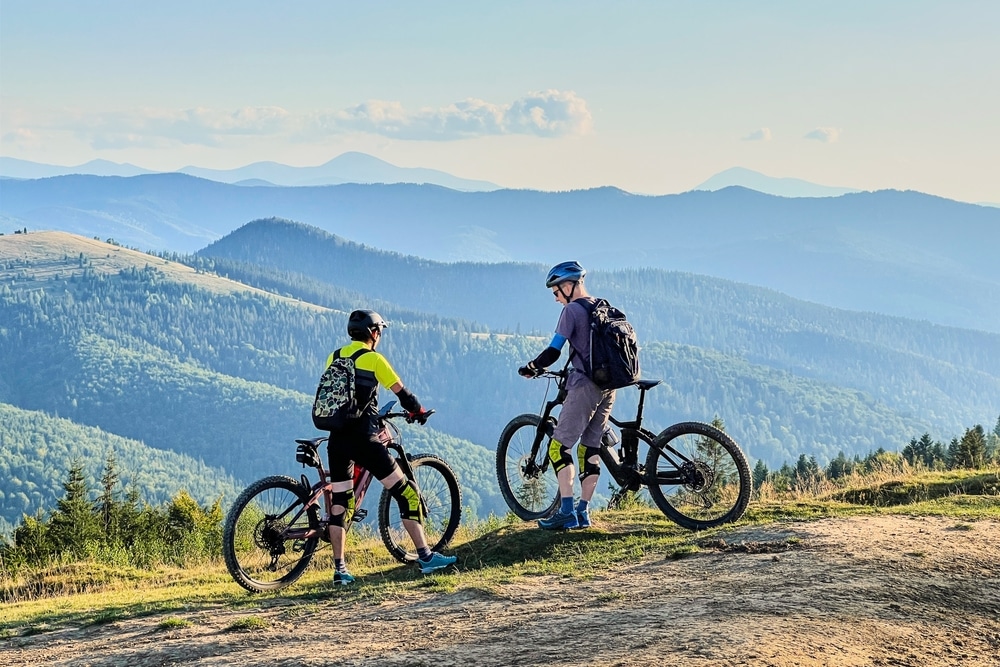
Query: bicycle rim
(698, 476)
(258, 554)
(528, 486)
(441, 498)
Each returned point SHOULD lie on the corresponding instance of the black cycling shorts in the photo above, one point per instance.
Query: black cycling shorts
(355, 444)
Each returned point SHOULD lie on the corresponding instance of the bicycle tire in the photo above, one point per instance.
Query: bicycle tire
(441, 497)
(715, 482)
(529, 496)
(256, 556)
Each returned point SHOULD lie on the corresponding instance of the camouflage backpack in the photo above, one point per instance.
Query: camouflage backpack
(337, 394)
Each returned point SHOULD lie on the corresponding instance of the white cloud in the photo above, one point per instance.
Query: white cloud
(828, 135)
(761, 134)
(549, 113)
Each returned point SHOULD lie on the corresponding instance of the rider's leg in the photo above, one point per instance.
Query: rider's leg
(590, 464)
(590, 442)
(343, 498)
(562, 462)
(413, 528)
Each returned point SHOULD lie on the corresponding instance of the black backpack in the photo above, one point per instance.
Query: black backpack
(614, 349)
(337, 394)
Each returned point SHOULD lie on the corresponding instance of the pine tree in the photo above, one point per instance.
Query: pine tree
(971, 451)
(107, 505)
(73, 524)
(760, 473)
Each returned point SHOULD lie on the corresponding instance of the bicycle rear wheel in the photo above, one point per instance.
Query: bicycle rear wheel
(698, 476)
(527, 484)
(258, 552)
(441, 498)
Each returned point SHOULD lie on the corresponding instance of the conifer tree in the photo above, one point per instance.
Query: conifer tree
(73, 523)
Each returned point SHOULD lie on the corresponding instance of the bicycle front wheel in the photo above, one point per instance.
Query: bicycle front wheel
(441, 501)
(259, 544)
(527, 482)
(698, 476)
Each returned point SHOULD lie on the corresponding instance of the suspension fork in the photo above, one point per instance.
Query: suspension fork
(544, 429)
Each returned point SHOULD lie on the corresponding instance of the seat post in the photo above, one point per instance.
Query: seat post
(638, 413)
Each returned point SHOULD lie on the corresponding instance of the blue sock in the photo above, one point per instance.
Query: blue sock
(567, 505)
(582, 505)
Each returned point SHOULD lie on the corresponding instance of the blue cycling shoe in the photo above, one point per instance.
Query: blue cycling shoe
(342, 579)
(583, 519)
(435, 562)
(559, 521)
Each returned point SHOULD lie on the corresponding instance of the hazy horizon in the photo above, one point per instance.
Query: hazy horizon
(650, 97)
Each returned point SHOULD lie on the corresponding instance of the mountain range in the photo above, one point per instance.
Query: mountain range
(898, 253)
(350, 167)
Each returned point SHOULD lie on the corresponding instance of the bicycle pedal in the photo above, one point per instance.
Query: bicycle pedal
(360, 515)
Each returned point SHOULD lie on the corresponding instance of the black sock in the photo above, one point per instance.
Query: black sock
(424, 553)
(340, 565)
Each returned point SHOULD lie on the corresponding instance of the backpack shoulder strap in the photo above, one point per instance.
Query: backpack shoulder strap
(362, 351)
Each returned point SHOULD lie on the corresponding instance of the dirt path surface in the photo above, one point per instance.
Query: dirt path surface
(896, 591)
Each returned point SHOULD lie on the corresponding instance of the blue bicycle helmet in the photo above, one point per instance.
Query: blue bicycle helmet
(560, 273)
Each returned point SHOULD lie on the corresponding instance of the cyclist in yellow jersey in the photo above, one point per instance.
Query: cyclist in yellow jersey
(358, 441)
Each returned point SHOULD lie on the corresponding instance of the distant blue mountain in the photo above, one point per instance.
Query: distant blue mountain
(14, 168)
(898, 253)
(781, 187)
(351, 167)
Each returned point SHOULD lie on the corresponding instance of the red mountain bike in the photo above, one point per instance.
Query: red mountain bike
(274, 526)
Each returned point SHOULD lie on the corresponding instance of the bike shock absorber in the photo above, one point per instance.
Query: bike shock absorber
(630, 449)
(610, 440)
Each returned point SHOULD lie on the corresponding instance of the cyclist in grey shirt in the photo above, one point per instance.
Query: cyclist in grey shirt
(584, 414)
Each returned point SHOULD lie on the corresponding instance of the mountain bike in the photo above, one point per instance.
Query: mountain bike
(276, 524)
(694, 473)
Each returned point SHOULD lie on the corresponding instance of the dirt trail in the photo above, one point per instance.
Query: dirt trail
(899, 591)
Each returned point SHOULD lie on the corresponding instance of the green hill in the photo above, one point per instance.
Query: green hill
(38, 450)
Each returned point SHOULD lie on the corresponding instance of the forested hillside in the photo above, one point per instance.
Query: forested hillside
(939, 376)
(39, 449)
(226, 376)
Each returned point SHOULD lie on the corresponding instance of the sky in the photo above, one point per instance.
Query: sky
(651, 97)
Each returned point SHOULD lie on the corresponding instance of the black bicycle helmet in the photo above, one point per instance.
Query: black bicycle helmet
(362, 323)
(560, 273)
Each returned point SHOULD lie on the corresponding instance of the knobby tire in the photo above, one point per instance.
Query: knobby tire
(716, 484)
(529, 496)
(442, 503)
(256, 555)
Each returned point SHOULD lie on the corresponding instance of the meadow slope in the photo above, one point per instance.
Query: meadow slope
(873, 590)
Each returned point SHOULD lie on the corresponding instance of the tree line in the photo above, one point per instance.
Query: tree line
(117, 527)
(977, 449)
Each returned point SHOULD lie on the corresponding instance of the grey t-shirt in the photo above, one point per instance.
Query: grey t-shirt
(574, 326)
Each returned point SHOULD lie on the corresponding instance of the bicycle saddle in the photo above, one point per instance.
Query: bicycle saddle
(315, 442)
(647, 384)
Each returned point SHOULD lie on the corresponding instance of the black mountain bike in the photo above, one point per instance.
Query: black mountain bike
(274, 526)
(695, 473)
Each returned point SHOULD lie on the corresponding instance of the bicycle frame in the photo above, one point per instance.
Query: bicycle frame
(625, 469)
(362, 480)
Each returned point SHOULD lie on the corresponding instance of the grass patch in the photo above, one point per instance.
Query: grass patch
(492, 555)
(248, 624)
(173, 623)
